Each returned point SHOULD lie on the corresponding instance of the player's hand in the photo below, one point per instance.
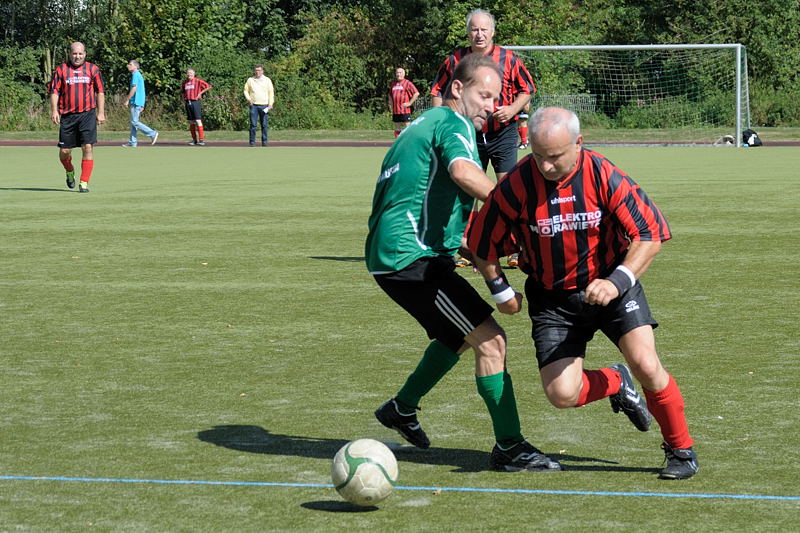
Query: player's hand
(503, 114)
(56, 118)
(512, 306)
(600, 292)
(101, 118)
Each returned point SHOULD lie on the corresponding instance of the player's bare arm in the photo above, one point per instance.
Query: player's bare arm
(101, 108)
(471, 178)
(508, 300)
(637, 260)
(55, 116)
(412, 100)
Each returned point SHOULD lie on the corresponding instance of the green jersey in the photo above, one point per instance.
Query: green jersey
(417, 209)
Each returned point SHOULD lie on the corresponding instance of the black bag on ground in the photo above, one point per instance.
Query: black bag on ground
(751, 138)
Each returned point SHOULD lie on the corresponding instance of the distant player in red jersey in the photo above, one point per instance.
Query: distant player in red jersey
(497, 143)
(588, 233)
(402, 95)
(192, 90)
(77, 111)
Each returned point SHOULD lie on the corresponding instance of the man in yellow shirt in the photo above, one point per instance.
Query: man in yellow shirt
(260, 94)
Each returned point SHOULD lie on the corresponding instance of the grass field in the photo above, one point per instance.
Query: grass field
(186, 347)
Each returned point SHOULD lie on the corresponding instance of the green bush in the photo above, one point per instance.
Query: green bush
(21, 107)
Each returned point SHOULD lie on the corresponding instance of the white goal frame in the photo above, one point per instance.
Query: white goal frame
(742, 108)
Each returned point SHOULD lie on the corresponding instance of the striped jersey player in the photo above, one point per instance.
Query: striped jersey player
(588, 232)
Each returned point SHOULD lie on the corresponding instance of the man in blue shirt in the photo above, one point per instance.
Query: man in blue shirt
(135, 100)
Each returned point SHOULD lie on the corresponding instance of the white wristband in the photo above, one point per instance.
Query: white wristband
(504, 296)
(628, 272)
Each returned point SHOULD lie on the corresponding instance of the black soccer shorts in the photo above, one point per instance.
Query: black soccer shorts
(500, 148)
(401, 117)
(193, 110)
(444, 303)
(562, 324)
(77, 129)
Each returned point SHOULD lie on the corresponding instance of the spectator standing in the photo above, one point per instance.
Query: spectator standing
(260, 94)
(77, 105)
(402, 95)
(192, 90)
(136, 100)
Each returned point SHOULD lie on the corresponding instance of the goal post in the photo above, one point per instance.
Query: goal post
(652, 94)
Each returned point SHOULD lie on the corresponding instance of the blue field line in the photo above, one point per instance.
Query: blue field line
(402, 487)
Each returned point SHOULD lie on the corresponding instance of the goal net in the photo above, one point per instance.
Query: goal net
(652, 94)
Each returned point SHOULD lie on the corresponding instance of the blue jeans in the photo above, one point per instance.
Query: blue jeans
(136, 110)
(258, 114)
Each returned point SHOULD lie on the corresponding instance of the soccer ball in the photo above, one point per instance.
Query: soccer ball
(364, 472)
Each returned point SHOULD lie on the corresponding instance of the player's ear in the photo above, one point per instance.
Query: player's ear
(579, 141)
(456, 89)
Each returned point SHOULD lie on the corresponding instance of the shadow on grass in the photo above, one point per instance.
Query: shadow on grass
(35, 189)
(255, 439)
(332, 506)
(335, 258)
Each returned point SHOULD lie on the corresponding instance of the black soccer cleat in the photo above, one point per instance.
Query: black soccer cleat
(681, 463)
(522, 456)
(407, 426)
(83, 187)
(629, 401)
(71, 179)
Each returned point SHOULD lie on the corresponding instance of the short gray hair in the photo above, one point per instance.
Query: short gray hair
(135, 63)
(554, 116)
(479, 11)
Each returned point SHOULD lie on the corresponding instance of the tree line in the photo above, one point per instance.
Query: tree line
(331, 61)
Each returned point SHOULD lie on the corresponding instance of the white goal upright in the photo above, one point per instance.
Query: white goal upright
(655, 94)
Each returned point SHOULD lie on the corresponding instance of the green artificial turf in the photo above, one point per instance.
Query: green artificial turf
(204, 315)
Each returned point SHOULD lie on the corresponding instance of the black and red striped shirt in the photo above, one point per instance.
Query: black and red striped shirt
(401, 91)
(76, 87)
(191, 88)
(516, 78)
(575, 230)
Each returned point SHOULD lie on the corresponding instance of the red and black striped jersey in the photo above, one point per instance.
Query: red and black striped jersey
(575, 230)
(76, 87)
(516, 78)
(191, 88)
(401, 91)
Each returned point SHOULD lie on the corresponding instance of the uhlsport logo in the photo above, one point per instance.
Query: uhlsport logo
(631, 306)
(549, 227)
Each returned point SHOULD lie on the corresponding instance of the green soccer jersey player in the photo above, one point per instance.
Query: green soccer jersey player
(428, 184)
(418, 210)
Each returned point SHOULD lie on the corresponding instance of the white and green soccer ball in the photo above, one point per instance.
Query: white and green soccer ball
(364, 472)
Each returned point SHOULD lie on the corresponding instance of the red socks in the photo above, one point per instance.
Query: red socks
(666, 406)
(598, 384)
(200, 134)
(523, 133)
(193, 131)
(67, 164)
(87, 165)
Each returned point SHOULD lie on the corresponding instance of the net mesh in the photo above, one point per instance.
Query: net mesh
(685, 92)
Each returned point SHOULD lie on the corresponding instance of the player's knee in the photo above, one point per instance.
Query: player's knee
(561, 396)
(646, 368)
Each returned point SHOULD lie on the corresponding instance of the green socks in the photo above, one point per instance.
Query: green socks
(436, 362)
(497, 392)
